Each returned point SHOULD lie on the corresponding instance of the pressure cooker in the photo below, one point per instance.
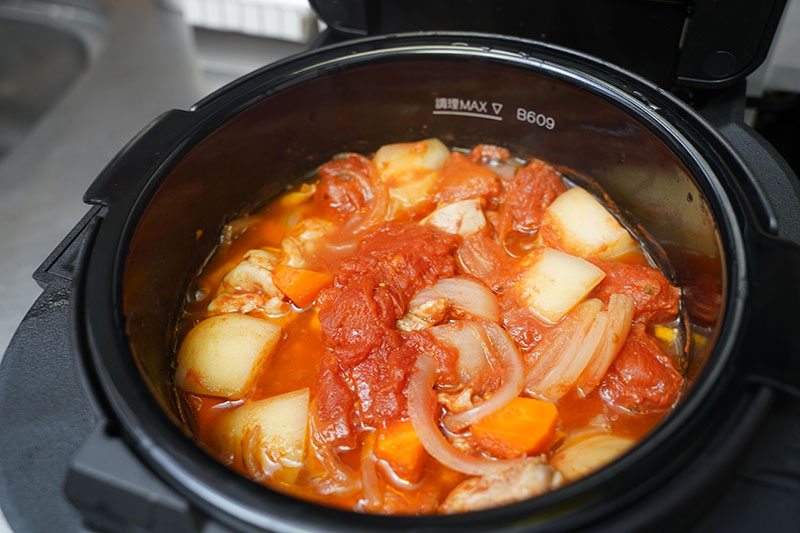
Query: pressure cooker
(96, 347)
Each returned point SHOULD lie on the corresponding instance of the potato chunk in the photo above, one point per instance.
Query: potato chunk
(460, 218)
(393, 160)
(555, 282)
(410, 170)
(221, 355)
(267, 435)
(584, 457)
(582, 226)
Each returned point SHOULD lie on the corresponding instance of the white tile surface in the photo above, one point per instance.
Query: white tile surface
(291, 20)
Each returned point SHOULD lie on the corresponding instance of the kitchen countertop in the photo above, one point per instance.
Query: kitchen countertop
(141, 65)
(130, 82)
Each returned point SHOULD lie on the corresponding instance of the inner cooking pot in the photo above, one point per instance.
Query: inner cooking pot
(674, 179)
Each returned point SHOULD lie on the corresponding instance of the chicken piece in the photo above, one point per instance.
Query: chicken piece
(520, 481)
(489, 152)
(404, 502)
(526, 197)
(480, 256)
(253, 274)
(344, 186)
(249, 287)
(654, 297)
(457, 402)
(460, 218)
(248, 302)
(426, 315)
(463, 178)
(299, 248)
(463, 443)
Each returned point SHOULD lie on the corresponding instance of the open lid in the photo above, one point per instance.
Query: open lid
(674, 43)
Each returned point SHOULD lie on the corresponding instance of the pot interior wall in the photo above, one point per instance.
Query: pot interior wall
(283, 137)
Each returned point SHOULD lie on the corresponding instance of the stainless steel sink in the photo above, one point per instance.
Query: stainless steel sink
(78, 79)
(44, 49)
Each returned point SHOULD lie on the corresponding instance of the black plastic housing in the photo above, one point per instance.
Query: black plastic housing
(673, 43)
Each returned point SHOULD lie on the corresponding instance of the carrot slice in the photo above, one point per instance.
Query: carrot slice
(525, 425)
(299, 285)
(399, 446)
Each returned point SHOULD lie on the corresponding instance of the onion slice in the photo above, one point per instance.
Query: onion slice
(465, 294)
(337, 477)
(474, 259)
(373, 498)
(469, 341)
(572, 363)
(566, 352)
(379, 201)
(421, 404)
(620, 315)
(513, 381)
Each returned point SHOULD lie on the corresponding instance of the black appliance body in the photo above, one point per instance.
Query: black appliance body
(96, 410)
